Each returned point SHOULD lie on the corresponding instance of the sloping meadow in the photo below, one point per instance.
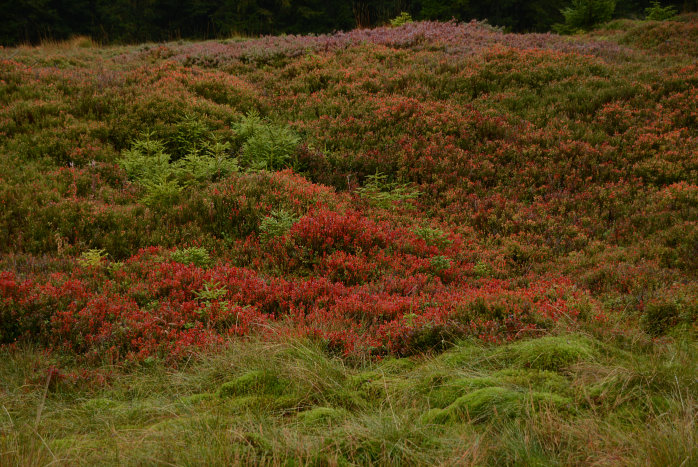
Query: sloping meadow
(386, 191)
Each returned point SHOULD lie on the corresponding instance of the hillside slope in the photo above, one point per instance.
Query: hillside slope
(527, 204)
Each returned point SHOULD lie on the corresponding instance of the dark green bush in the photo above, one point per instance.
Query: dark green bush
(583, 15)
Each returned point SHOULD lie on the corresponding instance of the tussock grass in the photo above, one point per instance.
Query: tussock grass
(278, 402)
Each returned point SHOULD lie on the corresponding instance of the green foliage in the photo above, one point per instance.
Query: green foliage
(147, 164)
(198, 256)
(276, 224)
(266, 146)
(270, 148)
(211, 291)
(482, 269)
(379, 192)
(145, 160)
(657, 12)
(248, 125)
(92, 258)
(445, 10)
(583, 15)
(440, 263)
(401, 19)
(161, 193)
(191, 133)
(433, 236)
(201, 159)
(211, 162)
(160, 20)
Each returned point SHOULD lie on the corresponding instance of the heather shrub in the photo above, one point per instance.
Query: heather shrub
(430, 338)
(666, 37)
(659, 316)
(527, 201)
(669, 308)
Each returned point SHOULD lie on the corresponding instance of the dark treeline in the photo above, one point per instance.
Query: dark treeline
(128, 21)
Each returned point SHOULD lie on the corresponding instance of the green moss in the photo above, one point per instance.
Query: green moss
(370, 384)
(434, 379)
(321, 415)
(552, 353)
(478, 405)
(485, 403)
(549, 400)
(449, 391)
(252, 383)
(539, 380)
(244, 403)
(434, 416)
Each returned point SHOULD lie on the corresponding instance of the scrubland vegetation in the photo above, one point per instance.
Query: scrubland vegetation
(430, 243)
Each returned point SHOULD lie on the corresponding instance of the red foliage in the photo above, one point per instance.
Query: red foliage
(155, 307)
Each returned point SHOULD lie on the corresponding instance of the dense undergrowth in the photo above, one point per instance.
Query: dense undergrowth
(526, 203)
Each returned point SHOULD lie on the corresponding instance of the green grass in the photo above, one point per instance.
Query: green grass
(569, 399)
